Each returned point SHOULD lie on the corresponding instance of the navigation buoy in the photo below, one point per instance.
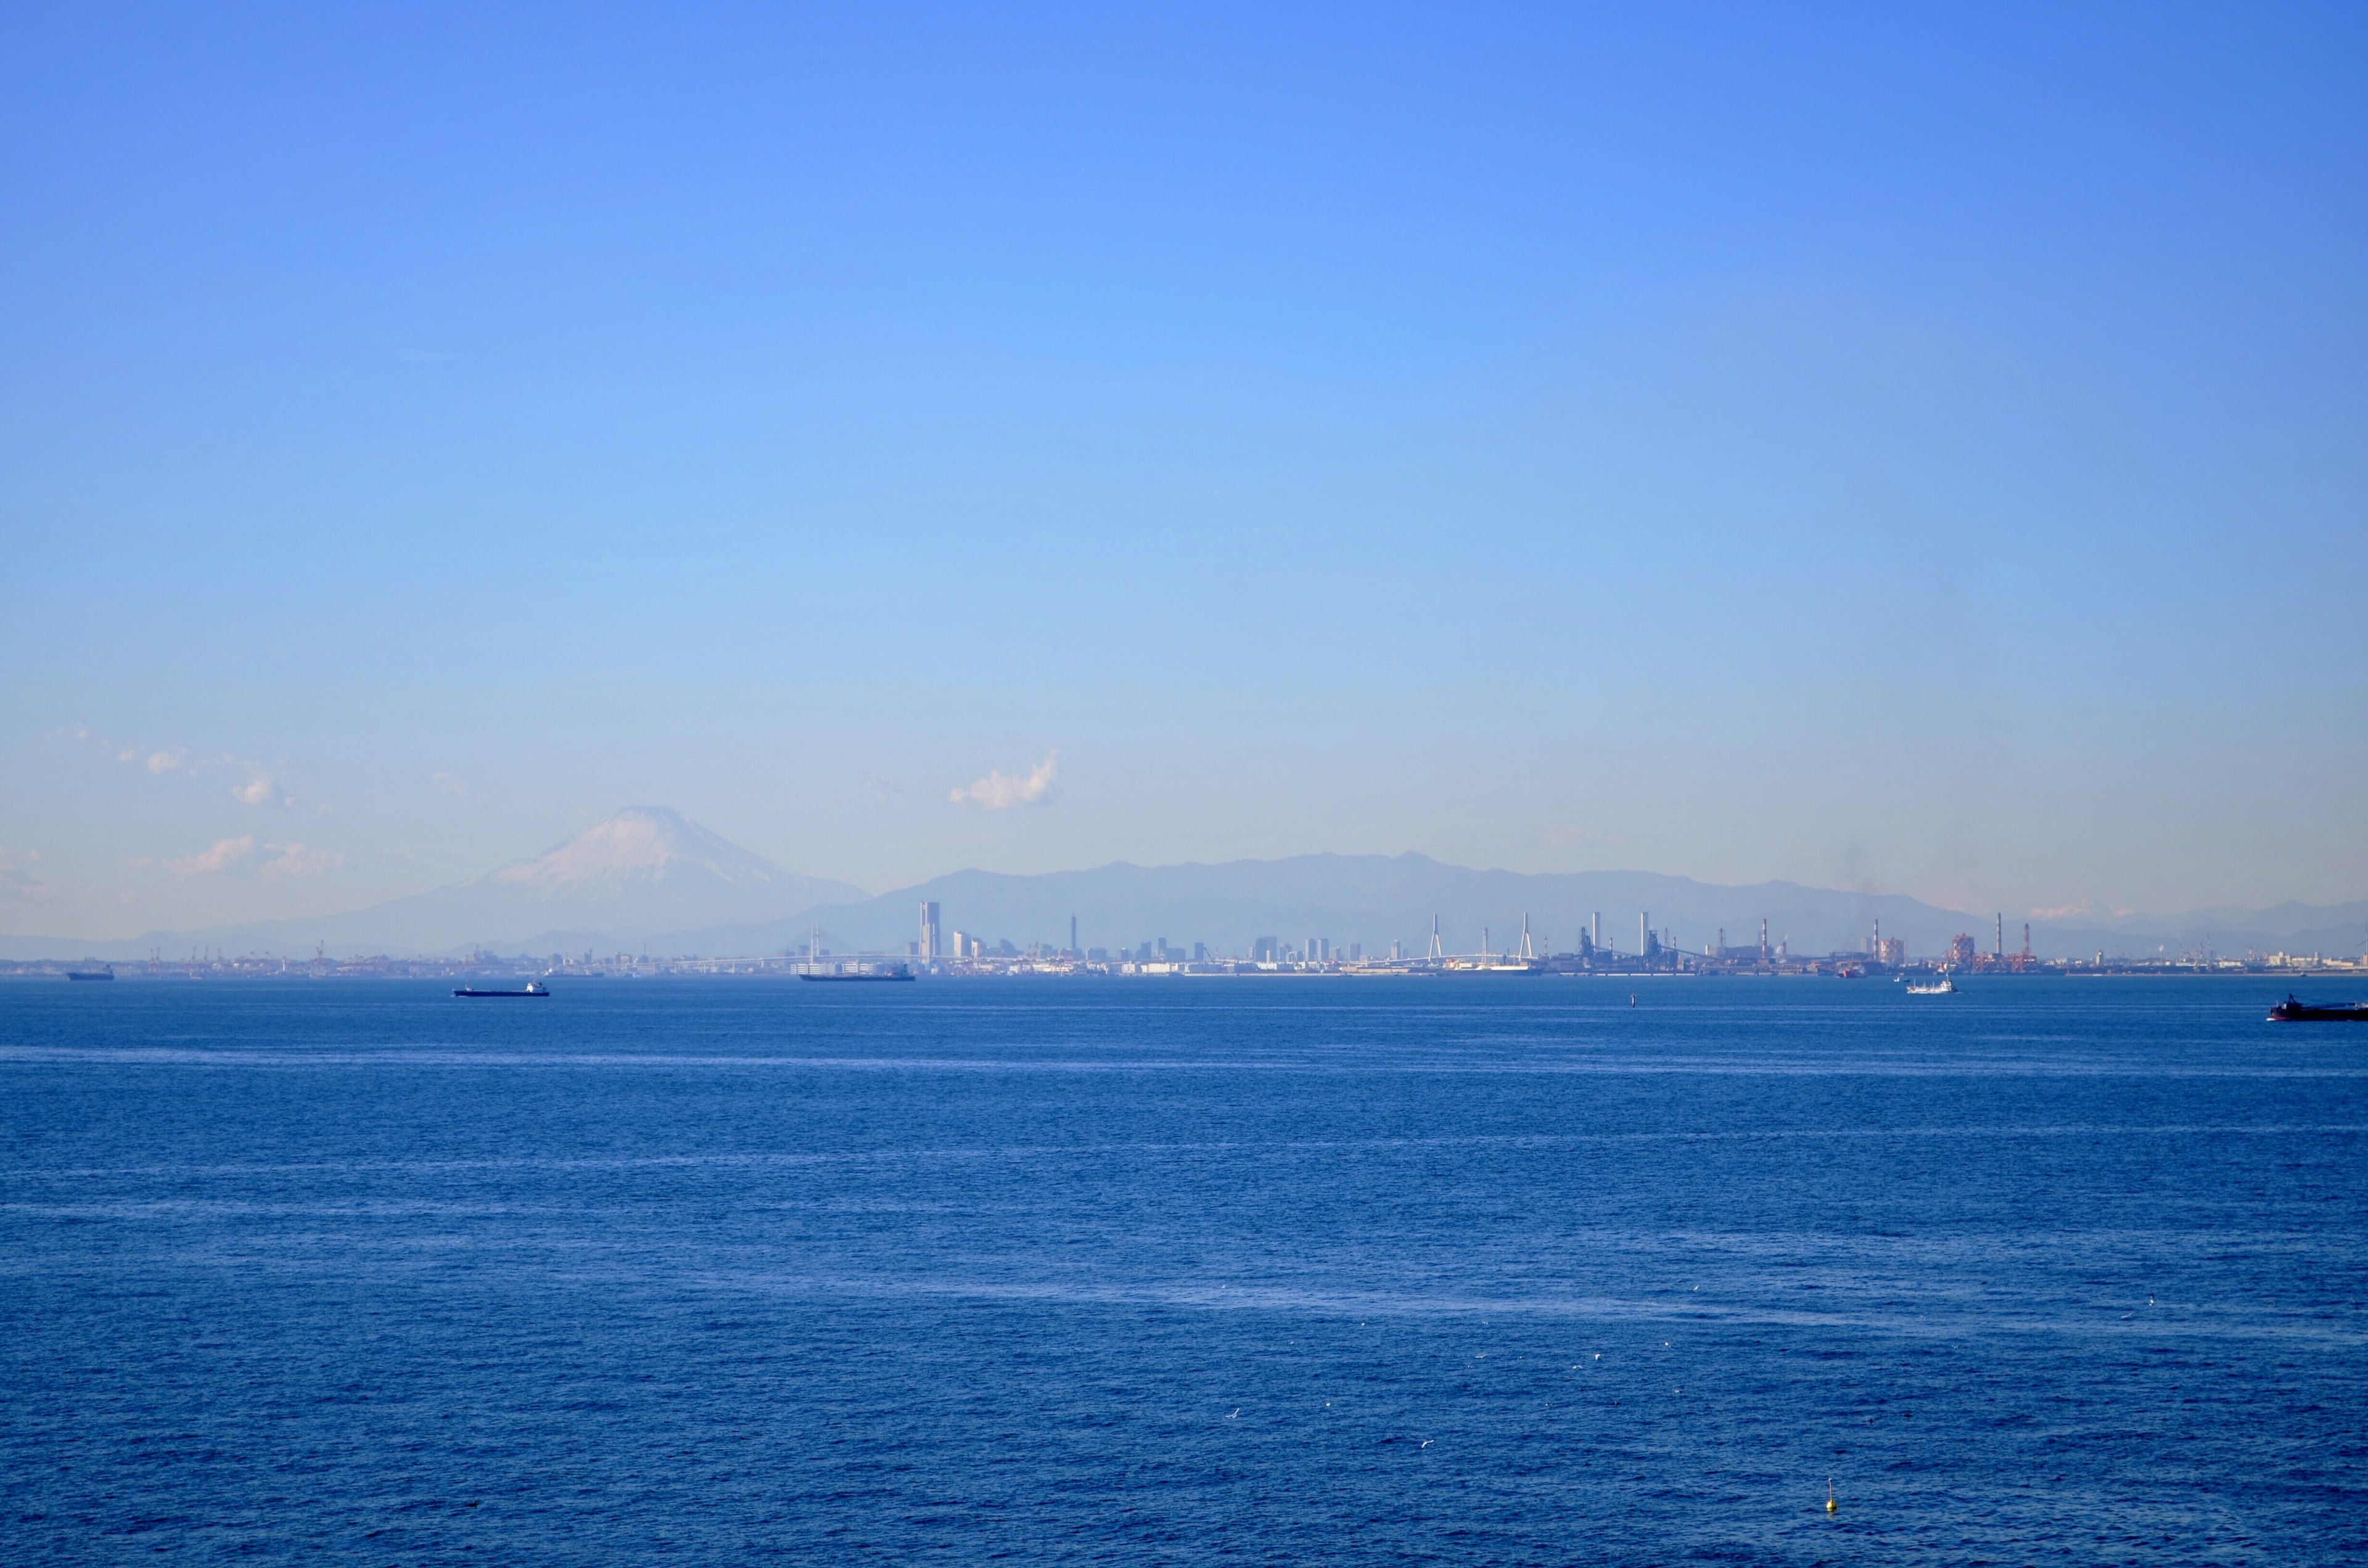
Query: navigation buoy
(1831, 1506)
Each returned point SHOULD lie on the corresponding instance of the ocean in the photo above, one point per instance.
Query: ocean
(1486, 1270)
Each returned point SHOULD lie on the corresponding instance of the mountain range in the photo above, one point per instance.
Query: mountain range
(647, 879)
(638, 876)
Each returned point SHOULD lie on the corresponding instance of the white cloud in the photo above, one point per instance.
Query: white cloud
(261, 791)
(448, 785)
(1563, 837)
(228, 855)
(248, 856)
(164, 761)
(300, 861)
(1001, 791)
(18, 880)
(2087, 908)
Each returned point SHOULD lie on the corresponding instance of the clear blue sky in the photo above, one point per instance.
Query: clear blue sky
(1898, 448)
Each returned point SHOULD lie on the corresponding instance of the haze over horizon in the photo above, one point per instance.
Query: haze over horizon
(1902, 453)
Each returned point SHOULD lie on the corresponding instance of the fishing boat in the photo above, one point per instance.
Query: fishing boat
(2292, 1012)
(1944, 986)
(533, 988)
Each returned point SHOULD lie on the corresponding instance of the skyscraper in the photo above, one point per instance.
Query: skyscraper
(929, 930)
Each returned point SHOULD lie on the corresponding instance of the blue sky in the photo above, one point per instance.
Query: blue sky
(1896, 448)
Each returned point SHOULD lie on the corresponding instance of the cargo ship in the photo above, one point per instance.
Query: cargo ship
(899, 972)
(106, 974)
(533, 988)
(2292, 1012)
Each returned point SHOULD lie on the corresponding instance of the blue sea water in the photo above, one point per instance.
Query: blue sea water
(1486, 1270)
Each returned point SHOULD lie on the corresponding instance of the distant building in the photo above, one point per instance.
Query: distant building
(1961, 951)
(928, 943)
(1266, 950)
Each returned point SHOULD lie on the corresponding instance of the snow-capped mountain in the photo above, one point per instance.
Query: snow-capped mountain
(645, 872)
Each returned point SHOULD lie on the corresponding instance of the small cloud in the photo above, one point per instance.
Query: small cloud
(1582, 837)
(18, 881)
(248, 855)
(299, 861)
(128, 754)
(227, 854)
(448, 785)
(262, 791)
(1001, 791)
(2086, 909)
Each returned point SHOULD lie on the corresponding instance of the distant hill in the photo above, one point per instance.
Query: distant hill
(1372, 899)
(645, 872)
(647, 879)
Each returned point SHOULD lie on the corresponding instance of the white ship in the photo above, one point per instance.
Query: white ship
(1944, 986)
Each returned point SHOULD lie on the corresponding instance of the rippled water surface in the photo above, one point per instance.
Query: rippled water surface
(1485, 1270)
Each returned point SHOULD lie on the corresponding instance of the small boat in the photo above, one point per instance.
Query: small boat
(533, 988)
(2292, 1012)
(1944, 986)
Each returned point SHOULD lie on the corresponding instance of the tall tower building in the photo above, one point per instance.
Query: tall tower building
(928, 930)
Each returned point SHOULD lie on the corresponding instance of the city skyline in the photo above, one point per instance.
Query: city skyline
(649, 881)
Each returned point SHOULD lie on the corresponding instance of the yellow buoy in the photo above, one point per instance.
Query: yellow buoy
(1831, 1506)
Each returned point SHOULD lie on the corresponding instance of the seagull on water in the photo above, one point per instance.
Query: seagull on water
(1237, 1410)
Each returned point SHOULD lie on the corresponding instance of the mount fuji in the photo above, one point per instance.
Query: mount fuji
(645, 872)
